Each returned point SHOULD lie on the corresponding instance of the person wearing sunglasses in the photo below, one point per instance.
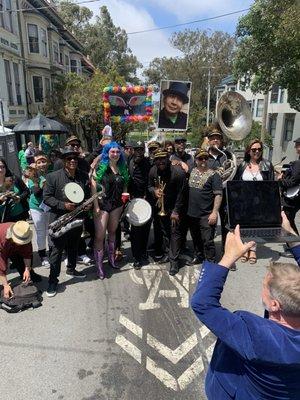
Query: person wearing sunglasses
(75, 143)
(54, 197)
(112, 174)
(254, 168)
(205, 198)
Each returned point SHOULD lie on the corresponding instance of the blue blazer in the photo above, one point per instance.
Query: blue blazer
(254, 358)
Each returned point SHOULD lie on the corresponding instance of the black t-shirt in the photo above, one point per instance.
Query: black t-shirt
(186, 158)
(138, 178)
(203, 187)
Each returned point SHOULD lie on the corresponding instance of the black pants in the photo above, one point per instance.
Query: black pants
(139, 240)
(291, 214)
(69, 242)
(17, 262)
(223, 219)
(158, 233)
(172, 237)
(203, 237)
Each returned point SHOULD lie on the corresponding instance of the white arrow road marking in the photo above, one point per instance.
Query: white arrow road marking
(167, 293)
(204, 331)
(130, 348)
(134, 328)
(150, 304)
(210, 350)
(173, 355)
(190, 374)
(162, 375)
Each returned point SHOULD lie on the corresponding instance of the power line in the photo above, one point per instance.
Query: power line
(188, 23)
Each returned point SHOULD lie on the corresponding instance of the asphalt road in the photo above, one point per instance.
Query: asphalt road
(131, 336)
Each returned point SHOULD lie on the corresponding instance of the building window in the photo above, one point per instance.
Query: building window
(33, 38)
(47, 88)
(288, 127)
(67, 63)
(259, 107)
(44, 42)
(55, 52)
(8, 16)
(8, 82)
(74, 66)
(38, 88)
(274, 94)
(281, 99)
(1, 14)
(17, 83)
(272, 124)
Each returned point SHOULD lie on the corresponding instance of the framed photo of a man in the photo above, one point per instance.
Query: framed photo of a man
(174, 105)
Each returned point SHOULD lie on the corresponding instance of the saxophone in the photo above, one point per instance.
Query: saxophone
(69, 221)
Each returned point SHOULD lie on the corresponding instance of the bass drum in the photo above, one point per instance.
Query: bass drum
(138, 212)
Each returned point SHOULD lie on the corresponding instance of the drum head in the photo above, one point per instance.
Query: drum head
(74, 192)
(138, 212)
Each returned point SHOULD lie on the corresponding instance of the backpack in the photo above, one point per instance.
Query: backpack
(25, 296)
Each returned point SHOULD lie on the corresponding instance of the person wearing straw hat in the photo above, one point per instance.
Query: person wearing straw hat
(15, 244)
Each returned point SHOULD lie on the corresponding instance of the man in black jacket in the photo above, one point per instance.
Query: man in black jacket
(167, 186)
(55, 198)
(290, 184)
(139, 167)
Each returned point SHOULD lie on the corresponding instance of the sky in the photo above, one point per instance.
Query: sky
(136, 15)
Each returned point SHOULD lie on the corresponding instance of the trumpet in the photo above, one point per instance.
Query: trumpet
(161, 201)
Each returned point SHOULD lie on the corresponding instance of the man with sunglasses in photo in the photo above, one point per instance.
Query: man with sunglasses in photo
(205, 198)
(55, 198)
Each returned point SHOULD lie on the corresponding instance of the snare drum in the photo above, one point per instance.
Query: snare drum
(138, 212)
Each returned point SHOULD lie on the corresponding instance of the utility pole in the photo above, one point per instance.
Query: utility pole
(1, 114)
(208, 97)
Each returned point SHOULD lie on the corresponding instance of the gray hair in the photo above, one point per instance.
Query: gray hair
(284, 285)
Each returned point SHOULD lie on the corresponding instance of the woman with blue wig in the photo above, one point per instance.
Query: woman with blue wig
(113, 175)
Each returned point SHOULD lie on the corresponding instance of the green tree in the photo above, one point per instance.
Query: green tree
(269, 47)
(105, 43)
(77, 101)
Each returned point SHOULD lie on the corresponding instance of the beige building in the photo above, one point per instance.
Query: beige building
(34, 48)
(283, 122)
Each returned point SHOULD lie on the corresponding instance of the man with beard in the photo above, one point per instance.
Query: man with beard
(205, 197)
(139, 167)
(167, 184)
(55, 198)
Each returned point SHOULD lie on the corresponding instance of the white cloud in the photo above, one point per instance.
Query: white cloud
(135, 18)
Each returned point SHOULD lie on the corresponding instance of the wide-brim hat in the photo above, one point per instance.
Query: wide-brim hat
(72, 138)
(69, 151)
(19, 233)
(180, 89)
(297, 141)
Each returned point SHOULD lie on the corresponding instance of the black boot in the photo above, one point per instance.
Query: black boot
(174, 268)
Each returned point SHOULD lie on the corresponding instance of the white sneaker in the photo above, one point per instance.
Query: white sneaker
(84, 259)
(45, 263)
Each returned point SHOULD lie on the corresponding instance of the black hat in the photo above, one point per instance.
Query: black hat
(69, 151)
(128, 144)
(180, 139)
(138, 145)
(72, 138)
(180, 89)
(297, 141)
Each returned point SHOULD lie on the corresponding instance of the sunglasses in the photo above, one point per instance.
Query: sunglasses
(72, 158)
(202, 158)
(179, 141)
(256, 150)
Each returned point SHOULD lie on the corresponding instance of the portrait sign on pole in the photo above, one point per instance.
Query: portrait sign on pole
(127, 104)
(174, 105)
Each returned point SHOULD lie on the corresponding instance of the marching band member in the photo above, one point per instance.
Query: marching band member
(291, 179)
(254, 168)
(113, 175)
(181, 157)
(205, 198)
(40, 216)
(167, 184)
(139, 167)
(55, 198)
